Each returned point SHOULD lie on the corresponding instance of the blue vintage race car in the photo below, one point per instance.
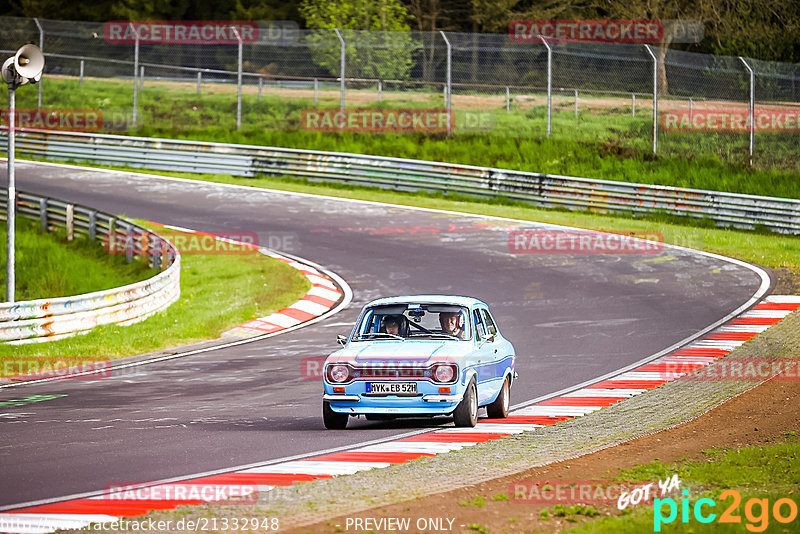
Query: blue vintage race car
(420, 355)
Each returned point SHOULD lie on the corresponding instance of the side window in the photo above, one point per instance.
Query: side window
(480, 329)
(490, 327)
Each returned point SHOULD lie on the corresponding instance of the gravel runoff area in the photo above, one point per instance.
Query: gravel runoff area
(652, 411)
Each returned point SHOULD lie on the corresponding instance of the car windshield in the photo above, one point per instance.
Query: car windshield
(414, 321)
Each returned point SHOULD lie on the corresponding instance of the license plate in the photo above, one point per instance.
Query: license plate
(392, 388)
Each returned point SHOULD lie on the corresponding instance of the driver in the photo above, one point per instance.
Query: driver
(452, 324)
(391, 325)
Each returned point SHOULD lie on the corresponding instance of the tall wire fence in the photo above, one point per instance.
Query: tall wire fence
(739, 109)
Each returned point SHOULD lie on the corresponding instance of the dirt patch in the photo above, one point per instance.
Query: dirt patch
(786, 282)
(763, 414)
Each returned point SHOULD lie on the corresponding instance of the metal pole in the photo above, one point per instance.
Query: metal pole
(576, 103)
(199, 81)
(11, 205)
(260, 86)
(380, 91)
(549, 84)
(141, 78)
(41, 47)
(135, 71)
(238, 81)
(341, 69)
(655, 97)
(633, 105)
(449, 93)
(752, 106)
(508, 100)
(80, 81)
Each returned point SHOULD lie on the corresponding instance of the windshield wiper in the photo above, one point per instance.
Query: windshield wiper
(373, 334)
(431, 334)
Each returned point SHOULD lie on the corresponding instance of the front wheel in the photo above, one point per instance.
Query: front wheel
(333, 420)
(499, 408)
(466, 413)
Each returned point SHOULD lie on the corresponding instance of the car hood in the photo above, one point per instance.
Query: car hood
(419, 351)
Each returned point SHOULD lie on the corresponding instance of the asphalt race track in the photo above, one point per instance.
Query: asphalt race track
(570, 317)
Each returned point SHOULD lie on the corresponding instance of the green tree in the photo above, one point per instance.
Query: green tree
(384, 51)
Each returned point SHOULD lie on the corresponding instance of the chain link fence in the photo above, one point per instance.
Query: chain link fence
(577, 91)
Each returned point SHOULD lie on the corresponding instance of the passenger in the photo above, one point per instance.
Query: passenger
(452, 324)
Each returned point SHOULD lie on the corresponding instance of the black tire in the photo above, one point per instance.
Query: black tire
(499, 408)
(466, 413)
(333, 420)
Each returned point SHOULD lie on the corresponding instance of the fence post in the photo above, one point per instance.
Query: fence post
(549, 84)
(449, 85)
(752, 106)
(342, 65)
(508, 100)
(576, 103)
(260, 86)
(80, 81)
(655, 97)
(135, 70)
(380, 91)
(92, 225)
(238, 81)
(199, 81)
(633, 105)
(141, 78)
(41, 47)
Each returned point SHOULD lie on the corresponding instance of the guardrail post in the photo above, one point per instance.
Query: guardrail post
(129, 244)
(43, 214)
(92, 225)
(80, 79)
(549, 84)
(41, 47)
(199, 81)
(752, 106)
(70, 221)
(342, 65)
(655, 97)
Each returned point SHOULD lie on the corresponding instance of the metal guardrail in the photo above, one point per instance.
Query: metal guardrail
(55, 318)
(544, 190)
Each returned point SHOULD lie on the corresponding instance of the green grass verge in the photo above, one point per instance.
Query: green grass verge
(218, 292)
(603, 142)
(47, 265)
(770, 472)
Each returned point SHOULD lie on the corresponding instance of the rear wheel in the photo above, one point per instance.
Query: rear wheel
(466, 413)
(333, 420)
(499, 408)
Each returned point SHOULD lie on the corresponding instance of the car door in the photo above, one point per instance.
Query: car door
(485, 357)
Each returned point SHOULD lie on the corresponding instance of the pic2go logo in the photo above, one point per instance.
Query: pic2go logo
(756, 511)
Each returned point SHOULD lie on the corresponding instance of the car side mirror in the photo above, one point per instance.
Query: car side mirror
(341, 340)
(485, 338)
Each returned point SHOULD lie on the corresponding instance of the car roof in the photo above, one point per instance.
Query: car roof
(428, 299)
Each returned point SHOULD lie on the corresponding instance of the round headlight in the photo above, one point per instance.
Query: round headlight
(443, 373)
(339, 373)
